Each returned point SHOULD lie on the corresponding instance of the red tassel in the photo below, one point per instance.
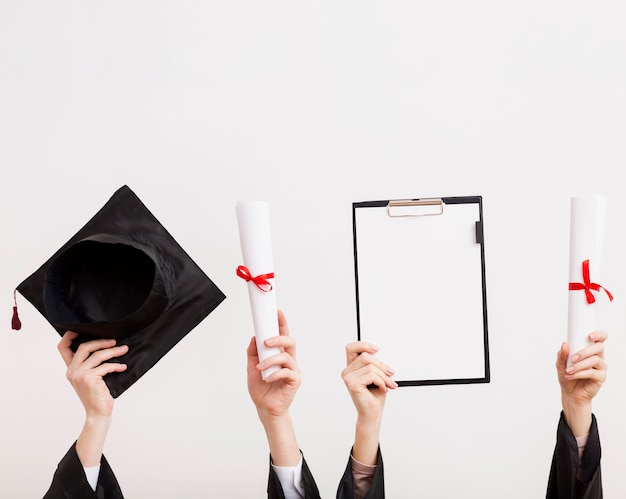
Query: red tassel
(15, 320)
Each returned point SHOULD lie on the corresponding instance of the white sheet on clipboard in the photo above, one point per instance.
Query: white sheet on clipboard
(420, 292)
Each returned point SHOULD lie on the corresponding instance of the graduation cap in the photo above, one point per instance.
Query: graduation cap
(123, 276)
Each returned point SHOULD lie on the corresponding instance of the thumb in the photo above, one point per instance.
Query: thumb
(561, 359)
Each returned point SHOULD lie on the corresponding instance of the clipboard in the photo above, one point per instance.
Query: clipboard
(419, 267)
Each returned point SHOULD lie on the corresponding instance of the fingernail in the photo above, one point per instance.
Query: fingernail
(375, 348)
(575, 358)
(269, 341)
(569, 370)
(395, 384)
(259, 365)
(390, 370)
(592, 336)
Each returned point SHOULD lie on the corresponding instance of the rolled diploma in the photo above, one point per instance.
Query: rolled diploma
(587, 223)
(256, 248)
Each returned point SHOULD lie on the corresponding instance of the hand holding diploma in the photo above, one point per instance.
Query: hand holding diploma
(273, 395)
(587, 221)
(581, 380)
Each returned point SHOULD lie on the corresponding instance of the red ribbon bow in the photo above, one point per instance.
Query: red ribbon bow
(587, 285)
(261, 281)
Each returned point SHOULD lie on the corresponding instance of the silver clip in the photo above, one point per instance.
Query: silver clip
(415, 207)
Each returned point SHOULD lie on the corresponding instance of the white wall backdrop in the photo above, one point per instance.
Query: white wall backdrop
(312, 105)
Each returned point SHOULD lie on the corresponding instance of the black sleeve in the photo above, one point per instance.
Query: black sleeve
(275, 490)
(70, 482)
(562, 483)
(377, 487)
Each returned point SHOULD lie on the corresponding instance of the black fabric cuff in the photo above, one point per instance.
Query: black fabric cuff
(592, 454)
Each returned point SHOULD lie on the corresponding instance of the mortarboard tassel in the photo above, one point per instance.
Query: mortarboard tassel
(15, 320)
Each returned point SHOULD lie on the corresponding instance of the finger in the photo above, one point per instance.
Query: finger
(367, 373)
(252, 350)
(599, 335)
(280, 341)
(365, 359)
(561, 357)
(65, 346)
(287, 343)
(108, 368)
(378, 381)
(252, 354)
(594, 362)
(367, 378)
(595, 349)
(86, 349)
(283, 360)
(100, 356)
(597, 375)
(283, 331)
(380, 372)
(287, 375)
(354, 349)
(283, 327)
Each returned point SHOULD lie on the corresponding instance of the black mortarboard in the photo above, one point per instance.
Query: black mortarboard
(123, 276)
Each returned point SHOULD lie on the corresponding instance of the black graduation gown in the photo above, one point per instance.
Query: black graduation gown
(377, 487)
(275, 490)
(563, 483)
(346, 485)
(70, 482)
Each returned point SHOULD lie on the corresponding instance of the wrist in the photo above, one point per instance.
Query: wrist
(90, 442)
(368, 423)
(271, 419)
(366, 437)
(577, 415)
(98, 423)
(281, 439)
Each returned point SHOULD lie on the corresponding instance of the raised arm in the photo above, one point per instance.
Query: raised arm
(362, 371)
(581, 381)
(80, 470)
(575, 472)
(85, 371)
(368, 380)
(289, 475)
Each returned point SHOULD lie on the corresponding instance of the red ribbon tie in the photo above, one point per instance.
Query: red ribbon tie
(588, 286)
(261, 281)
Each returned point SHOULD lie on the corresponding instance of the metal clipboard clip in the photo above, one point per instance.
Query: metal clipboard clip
(415, 207)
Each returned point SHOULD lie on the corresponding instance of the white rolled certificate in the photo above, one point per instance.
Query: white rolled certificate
(587, 224)
(256, 248)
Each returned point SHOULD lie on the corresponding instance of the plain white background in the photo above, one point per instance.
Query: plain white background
(311, 106)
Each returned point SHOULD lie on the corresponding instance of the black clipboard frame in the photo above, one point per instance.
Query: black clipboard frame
(479, 231)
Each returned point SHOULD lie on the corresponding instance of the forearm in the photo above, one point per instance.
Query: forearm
(281, 439)
(90, 443)
(366, 438)
(577, 416)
